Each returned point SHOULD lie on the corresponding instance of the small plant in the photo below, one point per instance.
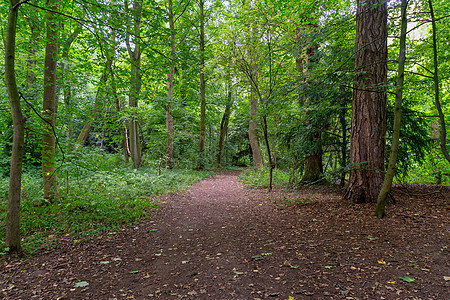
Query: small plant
(255, 178)
(98, 193)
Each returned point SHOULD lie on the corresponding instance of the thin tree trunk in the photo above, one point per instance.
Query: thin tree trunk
(170, 76)
(49, 106)
(202, 88)
(387, 183)
(437, 102)
(86, 130)
(12, 238)
(367, 143)
(252, 133)
(31, 60)
(135, 89)
(67, 84)
(224, 122)
(266, 140)
(117, 102)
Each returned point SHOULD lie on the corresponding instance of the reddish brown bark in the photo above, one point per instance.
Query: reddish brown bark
(367, 142)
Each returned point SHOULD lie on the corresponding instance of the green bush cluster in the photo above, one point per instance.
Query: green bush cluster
(97, 193)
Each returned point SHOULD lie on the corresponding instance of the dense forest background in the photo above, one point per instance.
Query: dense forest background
(122, 99)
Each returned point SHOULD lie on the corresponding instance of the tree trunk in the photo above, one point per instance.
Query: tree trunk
(49, 106)
(313, 161)
(135, 88)
(31, 60)
(67, 84)
(170, 76)
(224, 123)
(437, 102)
(387, 183)
(367, 141)
(86, 130)
(202, 88)
(252, 133)
(12, 238)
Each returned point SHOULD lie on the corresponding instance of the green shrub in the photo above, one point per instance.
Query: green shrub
(98, 193)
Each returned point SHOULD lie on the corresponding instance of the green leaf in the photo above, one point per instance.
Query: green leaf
(372, 238)
(257, 257)
(104, 262)
(134, 271)
(407, 279)
(328, 267)
(294, 266)
(81, 284)
(154, 229)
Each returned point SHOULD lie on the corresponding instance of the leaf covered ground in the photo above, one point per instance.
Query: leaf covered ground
(219, 240)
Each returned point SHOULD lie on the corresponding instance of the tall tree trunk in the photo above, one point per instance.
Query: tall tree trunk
(86, 130)
(170, 76)
(49, 106)
(313, 161)
(367, 142)
(135, 89)
(66, 82)
(12, 238)
(117, 102)
(387, 183)
(252, 133)
(31, 60)
(437, 102)
(202, 88)
(224, 123)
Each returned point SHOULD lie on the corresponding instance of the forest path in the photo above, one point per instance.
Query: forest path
(218, 240)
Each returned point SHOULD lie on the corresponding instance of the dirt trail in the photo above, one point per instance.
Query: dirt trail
(218, 240)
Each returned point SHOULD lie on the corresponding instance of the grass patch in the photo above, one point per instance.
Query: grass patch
(255, 178)
(98, 193)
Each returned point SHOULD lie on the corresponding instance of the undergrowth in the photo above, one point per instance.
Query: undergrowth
(255, 178)
(97, 193)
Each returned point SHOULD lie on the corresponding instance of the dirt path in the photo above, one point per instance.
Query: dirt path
(218, 240)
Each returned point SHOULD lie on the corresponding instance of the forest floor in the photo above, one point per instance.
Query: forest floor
(219, 240)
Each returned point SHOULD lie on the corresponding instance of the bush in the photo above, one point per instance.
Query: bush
(98, 193)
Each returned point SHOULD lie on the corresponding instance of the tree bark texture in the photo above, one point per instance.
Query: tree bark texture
(368, 130)
(49, 106)
(387, 183)
(135, 88)
(12, 238)
(202, 87)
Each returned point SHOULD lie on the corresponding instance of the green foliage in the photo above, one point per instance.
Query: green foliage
(260, 178)
(98, 193)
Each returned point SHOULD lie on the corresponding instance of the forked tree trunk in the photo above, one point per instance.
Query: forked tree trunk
(49, 106)
(367, 141)
(135, 88)
(387, 183)
(12, 237)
